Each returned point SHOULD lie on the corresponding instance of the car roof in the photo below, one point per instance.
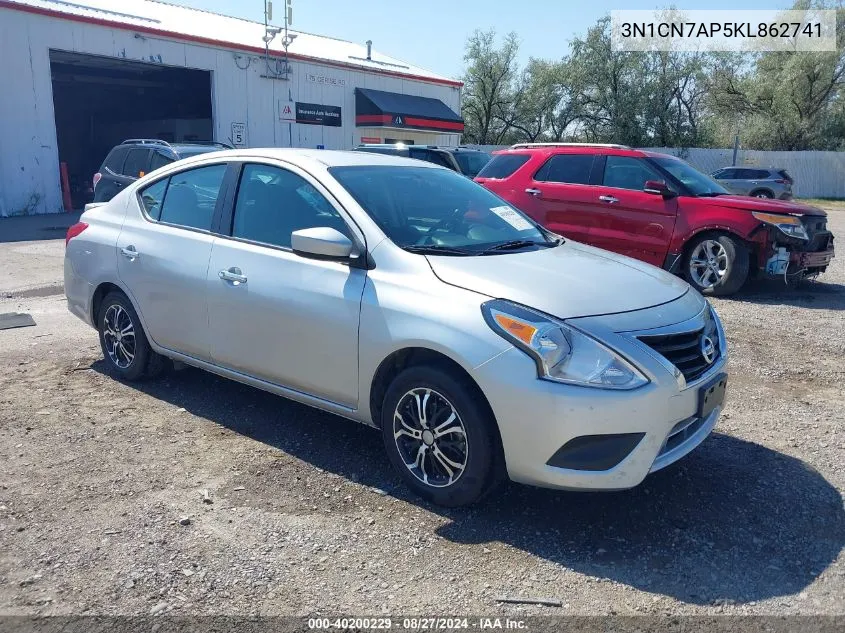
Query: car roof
(326, 157)
(549, 149)
(403, 146)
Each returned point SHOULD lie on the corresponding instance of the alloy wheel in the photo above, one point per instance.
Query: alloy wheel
(708, 263)
(119, 336)
(430, 437)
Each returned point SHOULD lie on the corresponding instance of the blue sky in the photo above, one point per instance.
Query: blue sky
(431, 33)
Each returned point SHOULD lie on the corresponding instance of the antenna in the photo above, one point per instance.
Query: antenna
(282, 69)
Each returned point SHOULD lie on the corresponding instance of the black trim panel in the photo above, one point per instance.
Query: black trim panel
(595, 452)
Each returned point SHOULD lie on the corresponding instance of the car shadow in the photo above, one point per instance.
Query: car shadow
(733, 522)
(815, 295)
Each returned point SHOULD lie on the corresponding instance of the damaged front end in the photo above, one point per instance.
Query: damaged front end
(791, 246)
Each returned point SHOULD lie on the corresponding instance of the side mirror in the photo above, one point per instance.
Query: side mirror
(321, 242)
(658, 188)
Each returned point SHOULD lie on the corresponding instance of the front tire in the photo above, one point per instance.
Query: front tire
(717, 264)
(125, 347)
(438, 437)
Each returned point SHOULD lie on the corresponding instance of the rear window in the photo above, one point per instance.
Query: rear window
(471, 162)
(567, 168)
(114, 161)
(503, 165)
(186, 152)
(431, 156)
(785, 175)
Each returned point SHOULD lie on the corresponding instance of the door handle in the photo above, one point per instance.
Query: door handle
(609, 199)
(129, 252)
(234, 275)
(533, 192)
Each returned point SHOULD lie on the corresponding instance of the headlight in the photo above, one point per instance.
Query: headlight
(562, 353)
(788, 224)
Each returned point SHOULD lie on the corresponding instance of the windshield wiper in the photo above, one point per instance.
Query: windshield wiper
(515, 244)
(436, 249)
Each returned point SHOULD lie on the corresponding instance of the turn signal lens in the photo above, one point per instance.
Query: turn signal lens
(776, 218)
(520, 329)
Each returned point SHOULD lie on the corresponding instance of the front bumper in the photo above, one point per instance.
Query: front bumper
(536, 418)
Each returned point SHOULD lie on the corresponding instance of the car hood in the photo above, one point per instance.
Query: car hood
(568, 281)
(747, 203)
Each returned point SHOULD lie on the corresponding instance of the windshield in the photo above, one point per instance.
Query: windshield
(472, 162)
(698, 183)
(423, 209)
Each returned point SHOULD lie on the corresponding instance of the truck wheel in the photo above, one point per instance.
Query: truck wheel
(717, 264)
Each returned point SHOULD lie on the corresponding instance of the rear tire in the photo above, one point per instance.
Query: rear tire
(126, 349)
(717, 264)
(762, 193)
(438, 437)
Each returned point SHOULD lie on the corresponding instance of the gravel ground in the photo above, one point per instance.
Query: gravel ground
(103, 508)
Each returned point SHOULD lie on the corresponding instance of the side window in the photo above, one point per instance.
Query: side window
(114, 161)
(626, 172)
(192, 196)
(726, 174)
(567, 168)
(136, 163)
(272, 203)
(152, 197)
(159, 160)
(761, 174)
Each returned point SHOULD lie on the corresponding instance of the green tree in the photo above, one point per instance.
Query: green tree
(490, 90)
(785, 100)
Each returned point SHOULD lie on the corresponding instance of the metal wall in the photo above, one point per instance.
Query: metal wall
(29, 164)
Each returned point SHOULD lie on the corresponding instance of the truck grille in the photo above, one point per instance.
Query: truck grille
(684, 350)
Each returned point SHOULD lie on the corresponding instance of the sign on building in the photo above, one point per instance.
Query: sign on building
(287, 111)
(316, 114)
(238, 134)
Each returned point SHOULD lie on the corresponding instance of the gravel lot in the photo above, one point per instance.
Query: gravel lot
(102, 485)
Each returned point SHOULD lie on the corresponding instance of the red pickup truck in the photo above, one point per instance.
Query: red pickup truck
(659, 209)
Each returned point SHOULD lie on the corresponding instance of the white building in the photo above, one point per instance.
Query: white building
(79, 77)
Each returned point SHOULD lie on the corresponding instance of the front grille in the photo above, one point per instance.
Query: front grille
(684, 350)
(680, 433)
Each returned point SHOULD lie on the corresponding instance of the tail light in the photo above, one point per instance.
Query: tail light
(782, 181)
(96, 179)
(75, 230)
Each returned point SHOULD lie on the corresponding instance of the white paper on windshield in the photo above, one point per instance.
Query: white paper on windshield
(513, 218)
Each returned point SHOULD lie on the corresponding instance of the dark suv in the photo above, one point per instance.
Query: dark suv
(463, 160)
(135, 157)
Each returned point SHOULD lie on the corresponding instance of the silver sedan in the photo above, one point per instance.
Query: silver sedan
(404, 296)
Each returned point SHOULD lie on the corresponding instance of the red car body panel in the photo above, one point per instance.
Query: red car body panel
(647, 226)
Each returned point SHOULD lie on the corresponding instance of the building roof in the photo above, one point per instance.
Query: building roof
(183, 23)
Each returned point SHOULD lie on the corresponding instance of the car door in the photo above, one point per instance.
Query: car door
(276, 315)
(728, 179)
(627, 219)
(563, 196)
(163, 252)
